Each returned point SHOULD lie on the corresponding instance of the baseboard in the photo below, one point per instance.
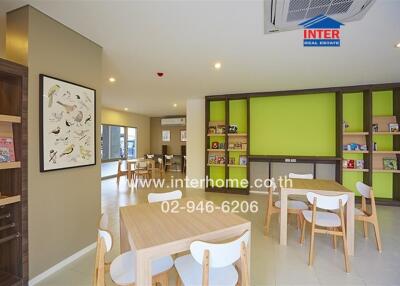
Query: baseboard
(61, 265)
(259, 192)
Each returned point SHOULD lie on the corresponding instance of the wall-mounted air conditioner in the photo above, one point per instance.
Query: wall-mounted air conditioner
(286, 15)
(173, 121)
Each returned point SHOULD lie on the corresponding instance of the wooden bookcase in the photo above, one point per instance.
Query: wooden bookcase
(374, 104)
(13, 176)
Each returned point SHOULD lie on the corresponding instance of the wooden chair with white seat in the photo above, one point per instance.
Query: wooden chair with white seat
(161, 197)
(161, 167)
(149, 156)
(294, 207)
(121, 171)
(141, 170)
(325, 222)
(367, 216)
(123, 268)
(168, 162)
(211, 264)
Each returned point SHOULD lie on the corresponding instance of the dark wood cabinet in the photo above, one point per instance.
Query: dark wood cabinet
(13, 175)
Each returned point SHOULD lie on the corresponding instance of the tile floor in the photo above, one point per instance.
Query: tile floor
(272, 264)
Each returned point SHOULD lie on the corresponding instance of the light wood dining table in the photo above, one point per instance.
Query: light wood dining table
(323, 187)
(153, 233)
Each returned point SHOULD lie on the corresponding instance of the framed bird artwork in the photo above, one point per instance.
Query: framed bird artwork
(67, 124)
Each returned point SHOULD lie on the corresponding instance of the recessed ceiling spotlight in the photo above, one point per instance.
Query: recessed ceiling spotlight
(126, 108)
(111, 79)
(160, 74)
(175, 105)
(217, 65)
(398, 45)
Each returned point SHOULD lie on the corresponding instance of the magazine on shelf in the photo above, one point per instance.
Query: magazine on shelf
(7, 149)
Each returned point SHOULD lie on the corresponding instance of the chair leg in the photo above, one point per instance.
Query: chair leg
(178, 280)
(267, 222)
(365, 224)
(298, 221)
(334, 240)
(346, 256)
(377, 236)
(118, 176)
(303, 231)
(311, 254)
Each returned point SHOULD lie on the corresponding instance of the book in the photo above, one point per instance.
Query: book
(389, 164)
(359, 164)
(7, 149)
(350, 164)
(242, 160)
(393, 127)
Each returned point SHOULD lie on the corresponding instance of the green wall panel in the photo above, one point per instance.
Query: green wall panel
(238, 114)
(353, 115)
(217, 113)
(382, 184)
(382, 105)
(293, 125)
(353, 111)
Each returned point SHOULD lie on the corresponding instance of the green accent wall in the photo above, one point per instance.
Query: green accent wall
(302, 125)
(382, 105)
(238, 116)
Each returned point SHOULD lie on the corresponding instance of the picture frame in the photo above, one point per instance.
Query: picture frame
(183, 135)
(67, 124)
(389, 164)
(166, 135)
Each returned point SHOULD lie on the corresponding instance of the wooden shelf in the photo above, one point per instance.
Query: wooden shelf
(355, 151)
(237, 166)
(216, 165)
(355, 133)
(4, 200)
(386, 171)
(386, 152)
(216, 135)
(386, 133)
(237, 150)
(10, 118)
(355, 170)
(237, 134)
(216, 150)
(10, 165)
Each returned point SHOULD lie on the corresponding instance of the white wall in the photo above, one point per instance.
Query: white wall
(195, 110)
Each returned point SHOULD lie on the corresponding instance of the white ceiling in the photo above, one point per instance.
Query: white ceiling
(185, 38)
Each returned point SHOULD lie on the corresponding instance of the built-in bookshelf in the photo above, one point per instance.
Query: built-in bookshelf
(370, 134)
(227, 143)
(13, 174)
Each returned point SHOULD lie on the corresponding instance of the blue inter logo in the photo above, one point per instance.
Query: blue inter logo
(321, 31)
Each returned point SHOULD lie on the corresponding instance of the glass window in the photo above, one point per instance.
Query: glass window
(117, 142)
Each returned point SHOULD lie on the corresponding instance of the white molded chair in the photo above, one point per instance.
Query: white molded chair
(160, 197)
(122, 269)
(294, 207)
(368, 216)
(211, 264)
(325, 222)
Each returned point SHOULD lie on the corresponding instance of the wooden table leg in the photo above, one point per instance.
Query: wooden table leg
(350, 223)
(143, 270)
(283, 226)
(129, 171)
(123, 237)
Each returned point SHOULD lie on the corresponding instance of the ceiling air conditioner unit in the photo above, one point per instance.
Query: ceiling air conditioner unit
(173, 121)
(286, 15)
